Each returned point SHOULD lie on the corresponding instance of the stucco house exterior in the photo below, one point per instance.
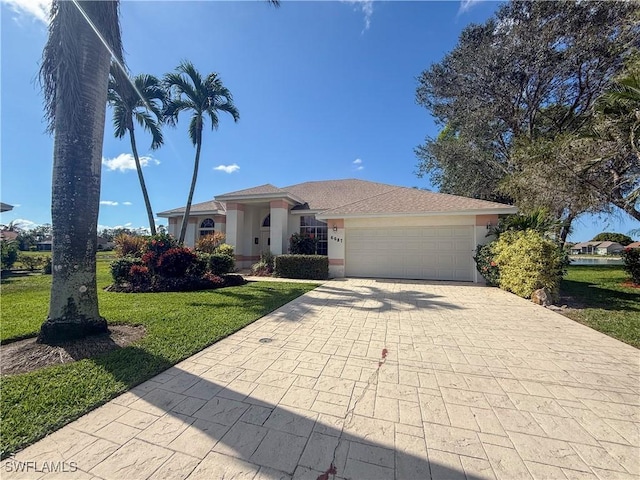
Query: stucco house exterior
(367, 229)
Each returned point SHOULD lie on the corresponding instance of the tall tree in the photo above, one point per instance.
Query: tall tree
(203, 97)
(530, 73)
(83, 36)
(140, 98)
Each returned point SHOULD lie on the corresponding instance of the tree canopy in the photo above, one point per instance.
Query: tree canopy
(621, 238)
(516, 100)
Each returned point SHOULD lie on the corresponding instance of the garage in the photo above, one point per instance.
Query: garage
(431, 253)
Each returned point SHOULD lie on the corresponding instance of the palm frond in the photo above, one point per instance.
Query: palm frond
(150, 124)
(195, 129)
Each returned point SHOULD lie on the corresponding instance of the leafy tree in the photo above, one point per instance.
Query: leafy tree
(203, 97)
(75, 75)
(515, 92)
(621, 238)
(140, 98)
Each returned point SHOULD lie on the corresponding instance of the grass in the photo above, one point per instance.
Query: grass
(603, 302)
(177, 324)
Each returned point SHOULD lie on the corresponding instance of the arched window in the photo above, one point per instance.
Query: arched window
(207, 227)
(267, 221)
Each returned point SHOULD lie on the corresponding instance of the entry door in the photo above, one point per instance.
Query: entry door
(265, 241)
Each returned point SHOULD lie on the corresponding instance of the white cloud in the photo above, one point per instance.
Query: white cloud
(366, 6)
(25, 224)
(357, 164)
(37, 9)
(125, 161)
(465, 5)
(228, 168)
(127, 203)
(357, 161)
(108, 202)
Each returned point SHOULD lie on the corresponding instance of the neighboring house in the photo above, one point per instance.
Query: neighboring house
(606, 248)
(584, 247)
(366, 229)
(8, 235)
(5, 207)
(633, 245)
(45, 245)
(104, 244)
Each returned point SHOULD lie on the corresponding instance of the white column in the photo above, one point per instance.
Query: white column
(279, 226)
(235, 229)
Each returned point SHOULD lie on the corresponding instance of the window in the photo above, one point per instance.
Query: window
(207, 227)
(316, 229)
(267, 221)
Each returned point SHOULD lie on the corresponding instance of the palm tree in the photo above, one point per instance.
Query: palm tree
(83, 36)
(137, 98)
(203, 97)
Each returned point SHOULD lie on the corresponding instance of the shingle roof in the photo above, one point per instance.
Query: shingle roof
(325, 195)
(634, 245)
(403, 200)
(265, 189)
(607, 244)
(210, 206)
(352, 197)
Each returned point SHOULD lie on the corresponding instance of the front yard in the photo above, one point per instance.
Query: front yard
(177, 326)
(596, 297)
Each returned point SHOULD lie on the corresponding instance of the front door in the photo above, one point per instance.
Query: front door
(265, 241)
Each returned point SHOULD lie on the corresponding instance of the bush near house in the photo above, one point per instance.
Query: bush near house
(160, 265)
(312, 267)
(302, 244)
(129, 245)
(210, 243)
(486, 265)
(528, 261)
(631, 259)
(264, 268)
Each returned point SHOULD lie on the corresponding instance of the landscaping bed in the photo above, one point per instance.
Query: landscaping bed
(602, 298)
(176, 326)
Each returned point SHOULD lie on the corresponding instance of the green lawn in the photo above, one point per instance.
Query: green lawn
(177, 324)
(602, 302)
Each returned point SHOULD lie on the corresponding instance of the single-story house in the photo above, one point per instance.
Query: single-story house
(45, 245)
(584, 247)
(606, 248)
(366, 229)
(633, 245)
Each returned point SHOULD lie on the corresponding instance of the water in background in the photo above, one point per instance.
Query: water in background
(578, 260)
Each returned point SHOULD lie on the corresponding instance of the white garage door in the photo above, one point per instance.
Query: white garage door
(435, 253)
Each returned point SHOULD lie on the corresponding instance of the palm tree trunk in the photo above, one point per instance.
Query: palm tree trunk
(145, 194)
(187, 210)
(77, 158)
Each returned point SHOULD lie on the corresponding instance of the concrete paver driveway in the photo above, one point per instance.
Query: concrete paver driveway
(369, 379)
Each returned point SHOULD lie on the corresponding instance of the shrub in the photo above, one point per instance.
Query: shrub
(631, 259)
(160, 243)
(527, 262)
(9, 254)
(265, 266)
(219, 264)
(30, 262)
(302, 244)
(139, 275)
(129, 245)
(486, 265)
(209, 243)
(225, 249)
(121, 267)
(175, 262)
(46, 268)
(315, 267)
(200, 265)
(233, 280)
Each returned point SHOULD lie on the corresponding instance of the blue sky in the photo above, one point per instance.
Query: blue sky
(325, 90)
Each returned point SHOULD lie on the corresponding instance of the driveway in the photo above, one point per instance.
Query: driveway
(375, 379)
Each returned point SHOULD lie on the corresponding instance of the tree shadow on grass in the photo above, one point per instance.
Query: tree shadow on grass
(588, 295)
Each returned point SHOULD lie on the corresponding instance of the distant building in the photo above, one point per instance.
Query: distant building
(596, 248)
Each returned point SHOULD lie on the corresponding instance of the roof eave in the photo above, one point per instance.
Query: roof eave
(170, 214)
(327, 215)
(259, 197)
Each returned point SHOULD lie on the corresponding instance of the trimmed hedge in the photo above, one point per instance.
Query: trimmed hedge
(311, 267)
(219, 263)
